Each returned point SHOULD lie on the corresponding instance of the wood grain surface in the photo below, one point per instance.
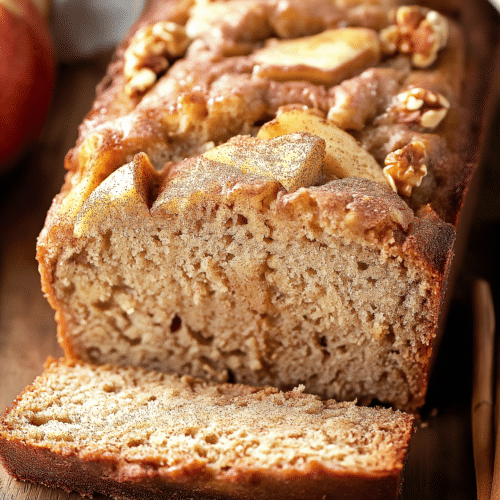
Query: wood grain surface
(440, 462)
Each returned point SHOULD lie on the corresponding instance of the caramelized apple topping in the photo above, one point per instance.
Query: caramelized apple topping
(294, 160)
(325, 59)
(344, 156)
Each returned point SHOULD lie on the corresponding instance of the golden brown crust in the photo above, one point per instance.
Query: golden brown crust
(30, 463)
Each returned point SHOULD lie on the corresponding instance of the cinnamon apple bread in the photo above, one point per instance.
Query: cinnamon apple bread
(137, 434)
(266, 192)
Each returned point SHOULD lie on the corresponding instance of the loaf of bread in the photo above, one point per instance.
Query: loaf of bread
(137, 434)
(266, 192)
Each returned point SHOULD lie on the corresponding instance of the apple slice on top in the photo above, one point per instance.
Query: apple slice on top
(344, 156)
(325, 59)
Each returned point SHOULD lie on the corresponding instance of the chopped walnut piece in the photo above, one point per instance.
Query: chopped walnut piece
(420, 106)
(142, 80)
(418, 32)
(405, 167)
(149, 52)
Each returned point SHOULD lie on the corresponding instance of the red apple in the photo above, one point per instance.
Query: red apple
(27, 76)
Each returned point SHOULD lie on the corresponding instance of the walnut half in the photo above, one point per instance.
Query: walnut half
(149, 52)
(421, 106)
(418, 32)
(405, 168)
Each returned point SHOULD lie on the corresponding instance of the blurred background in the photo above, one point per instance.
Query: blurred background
(84, 28)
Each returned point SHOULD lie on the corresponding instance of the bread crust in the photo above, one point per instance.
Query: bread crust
(30, 463)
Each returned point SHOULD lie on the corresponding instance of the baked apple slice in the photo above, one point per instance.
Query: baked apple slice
(294, 160)
(325, 59)
(344, 156)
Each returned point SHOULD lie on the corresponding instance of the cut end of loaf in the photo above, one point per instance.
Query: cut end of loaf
(229, 277)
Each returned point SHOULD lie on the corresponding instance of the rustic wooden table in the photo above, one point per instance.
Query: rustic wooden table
(440, 461)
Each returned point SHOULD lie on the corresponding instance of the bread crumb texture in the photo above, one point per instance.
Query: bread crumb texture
(133, 416)
(229, 277)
